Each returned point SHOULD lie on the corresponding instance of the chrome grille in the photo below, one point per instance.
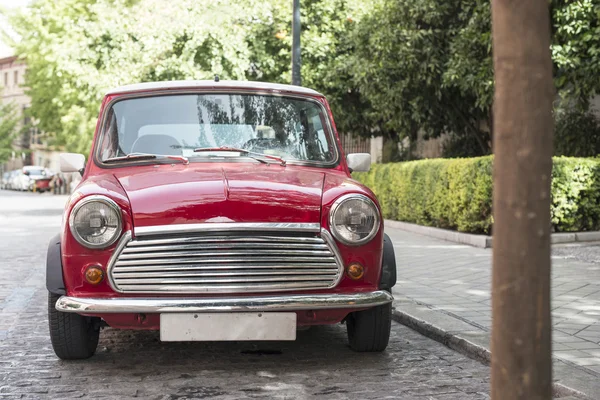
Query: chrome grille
(225, 262)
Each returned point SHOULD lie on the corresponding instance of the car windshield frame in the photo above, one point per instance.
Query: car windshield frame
(96, 150)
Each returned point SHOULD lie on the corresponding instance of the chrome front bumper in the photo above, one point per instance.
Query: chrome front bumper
(237, 304)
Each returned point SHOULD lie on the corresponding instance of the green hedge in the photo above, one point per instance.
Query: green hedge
(457, 193)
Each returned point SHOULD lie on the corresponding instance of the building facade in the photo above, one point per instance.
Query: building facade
(12, 73)
(29, 147)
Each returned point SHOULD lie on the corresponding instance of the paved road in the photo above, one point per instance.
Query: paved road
(456, 280)
(584, 252)
(136, 364)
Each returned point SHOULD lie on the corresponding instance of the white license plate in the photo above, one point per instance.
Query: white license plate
(183, 327)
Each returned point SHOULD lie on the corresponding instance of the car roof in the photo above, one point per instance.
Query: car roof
(166, 85)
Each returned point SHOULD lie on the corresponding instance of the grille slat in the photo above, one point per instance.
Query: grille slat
(206, 280)
(219, 246)
(226, 263)
(225, 253)
(214, 288)
(228, 239)
(218, 267)
(259, 260)
(212, 273)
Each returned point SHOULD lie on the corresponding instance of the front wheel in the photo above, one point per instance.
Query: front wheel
(369, 330)
(73, 336)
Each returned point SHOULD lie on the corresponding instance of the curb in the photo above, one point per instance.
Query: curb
(466, 347)
(483, 241)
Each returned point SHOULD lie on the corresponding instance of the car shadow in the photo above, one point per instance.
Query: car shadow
(318, 363)
(319, 344)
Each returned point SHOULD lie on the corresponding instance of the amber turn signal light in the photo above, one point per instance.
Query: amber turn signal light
(94, 275)
(355, 271)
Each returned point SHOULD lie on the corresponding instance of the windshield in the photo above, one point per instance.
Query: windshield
(35, 171)
(176, 125)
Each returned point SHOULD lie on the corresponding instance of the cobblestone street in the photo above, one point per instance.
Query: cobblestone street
(136, 364)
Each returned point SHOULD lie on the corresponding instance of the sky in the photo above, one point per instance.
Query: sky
(6, 51)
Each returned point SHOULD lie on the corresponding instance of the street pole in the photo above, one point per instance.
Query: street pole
(296, 58)
(523, 127)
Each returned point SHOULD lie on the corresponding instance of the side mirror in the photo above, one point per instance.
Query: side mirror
(359, 162)
(72, 162)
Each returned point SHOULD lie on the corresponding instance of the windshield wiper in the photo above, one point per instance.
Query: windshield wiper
(144, 156)
(252, 154)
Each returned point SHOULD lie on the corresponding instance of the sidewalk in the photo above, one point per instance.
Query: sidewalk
(448, 286)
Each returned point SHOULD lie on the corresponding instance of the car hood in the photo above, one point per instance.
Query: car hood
(196, 193)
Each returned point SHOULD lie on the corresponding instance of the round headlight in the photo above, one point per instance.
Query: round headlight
(95, 222)
(354, 219)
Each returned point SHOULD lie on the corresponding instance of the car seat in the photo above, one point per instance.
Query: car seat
(157, 144)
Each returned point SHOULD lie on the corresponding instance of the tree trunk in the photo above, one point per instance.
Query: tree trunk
(523, 126)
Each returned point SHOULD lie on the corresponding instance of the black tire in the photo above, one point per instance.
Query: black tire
(369, 330)
(73, 336)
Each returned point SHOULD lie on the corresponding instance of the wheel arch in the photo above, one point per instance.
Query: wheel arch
(388, 265)
(54, 272)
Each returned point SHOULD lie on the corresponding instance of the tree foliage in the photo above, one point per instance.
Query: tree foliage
(577, 133)
(426, 66)
(325, 51)
(576, 50)
(78, 49)
(9, 122)
(388, 67)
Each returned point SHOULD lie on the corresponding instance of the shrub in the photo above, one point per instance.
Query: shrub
(575, 194)
(457, 193)
(577, 134)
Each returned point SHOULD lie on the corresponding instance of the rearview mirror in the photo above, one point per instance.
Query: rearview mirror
(72, 162)
(359, 162)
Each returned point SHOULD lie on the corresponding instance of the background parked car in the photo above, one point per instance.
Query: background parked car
(10, 183)
(4, 181)
(39, 178)
(19, 181)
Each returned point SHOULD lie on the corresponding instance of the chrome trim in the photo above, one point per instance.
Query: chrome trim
(225, 262)
(227, 272)
(235, 304)
(227, 227)
(170, 265)
(225, 265)
(336, 253)
(186, 248)
(169, 256)
(169, 92)
(341, 200)
(258, 239)
(216, 279)
(126, 238)
(89, 199)
(231, 287)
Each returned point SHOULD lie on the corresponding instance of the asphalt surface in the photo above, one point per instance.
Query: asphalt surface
(135, 364)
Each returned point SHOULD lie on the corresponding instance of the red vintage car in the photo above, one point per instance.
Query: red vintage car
(218, 211)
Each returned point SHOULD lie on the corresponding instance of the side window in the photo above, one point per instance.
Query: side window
(321, 138)
(110, 140)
